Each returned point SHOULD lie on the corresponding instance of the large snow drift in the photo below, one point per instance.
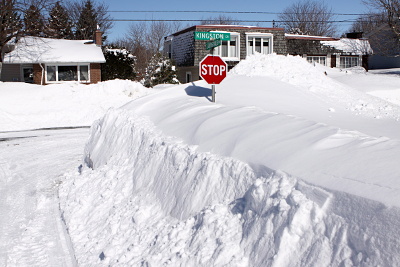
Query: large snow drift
(289, 168)
(28, 106)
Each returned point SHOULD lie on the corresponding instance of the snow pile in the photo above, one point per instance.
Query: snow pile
(61, 105)
(151, 200)
(316, 79)
(271, 175)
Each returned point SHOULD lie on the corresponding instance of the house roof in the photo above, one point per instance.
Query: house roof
(45, 50)
(227, 27)
(353, 46)
(347, 45)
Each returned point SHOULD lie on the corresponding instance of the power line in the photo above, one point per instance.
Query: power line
(223, 12)
(231, 20)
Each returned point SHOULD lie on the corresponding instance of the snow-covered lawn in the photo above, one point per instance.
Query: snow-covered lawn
(295, 165)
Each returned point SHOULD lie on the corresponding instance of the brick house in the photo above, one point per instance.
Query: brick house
(45, 61)
(245, 40)
(187, 52)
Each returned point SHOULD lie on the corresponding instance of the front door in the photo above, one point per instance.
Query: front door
(27, 74)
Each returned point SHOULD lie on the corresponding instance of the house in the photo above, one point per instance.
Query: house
(332, 52)
(187, 51)
(45, 61)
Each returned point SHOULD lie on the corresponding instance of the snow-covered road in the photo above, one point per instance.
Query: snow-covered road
(32, 164)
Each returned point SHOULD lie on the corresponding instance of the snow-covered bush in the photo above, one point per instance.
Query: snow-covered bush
(120, 64)
(160, 70)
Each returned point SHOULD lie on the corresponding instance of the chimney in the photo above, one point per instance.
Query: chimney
(98, 37)
(354, 35)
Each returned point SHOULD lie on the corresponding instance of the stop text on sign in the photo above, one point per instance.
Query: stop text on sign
(213, 69)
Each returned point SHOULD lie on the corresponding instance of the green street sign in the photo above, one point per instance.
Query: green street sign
(208, 36)
(213, 44)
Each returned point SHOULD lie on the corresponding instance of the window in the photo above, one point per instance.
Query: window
(259, 43)
(67, 73)
(229, 48)
(84, 73)
(64, 73)
(317, 59)
(51, 73)
(348, 62)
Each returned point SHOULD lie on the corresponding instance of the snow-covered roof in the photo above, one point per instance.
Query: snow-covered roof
(347, 45)
(353, 46)
(45, 50)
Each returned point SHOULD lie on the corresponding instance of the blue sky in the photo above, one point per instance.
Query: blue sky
(119, 29)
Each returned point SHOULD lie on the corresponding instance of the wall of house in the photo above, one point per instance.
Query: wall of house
(384, 62)
(95, 72)
(279, 41)
(308, 47)
(183, 71)
(37, 74)
(11, 73)
(183, 49)
(187, 52)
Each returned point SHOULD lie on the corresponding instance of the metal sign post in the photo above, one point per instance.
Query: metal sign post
(213, 93)
(213, 70)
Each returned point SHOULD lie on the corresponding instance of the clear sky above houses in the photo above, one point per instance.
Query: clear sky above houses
(169, 8)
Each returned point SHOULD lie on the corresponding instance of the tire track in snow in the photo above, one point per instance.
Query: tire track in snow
(32, 232)
(4, 174)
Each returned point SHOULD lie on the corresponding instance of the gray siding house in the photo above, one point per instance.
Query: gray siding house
(187, 52)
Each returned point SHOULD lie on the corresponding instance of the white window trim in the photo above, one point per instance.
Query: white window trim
(359, 61)
(229, 57)
(319, 59)
(67, 64)
(260, 35)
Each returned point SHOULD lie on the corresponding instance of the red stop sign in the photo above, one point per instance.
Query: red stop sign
(213, 69)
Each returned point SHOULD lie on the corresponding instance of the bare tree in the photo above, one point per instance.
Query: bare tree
(219, 20)
(381, 35)
(367, 23)
(136, 41)
(308, 17)
(391, 12)
(157, 32)
(145, 40)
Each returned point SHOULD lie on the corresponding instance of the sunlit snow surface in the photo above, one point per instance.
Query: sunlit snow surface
(295, 165)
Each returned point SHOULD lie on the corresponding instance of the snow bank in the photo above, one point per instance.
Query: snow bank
(280, 172)
(316, 79)
(27, 106)
(152, 201)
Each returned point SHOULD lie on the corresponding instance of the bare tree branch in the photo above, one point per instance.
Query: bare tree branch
(308, 17)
